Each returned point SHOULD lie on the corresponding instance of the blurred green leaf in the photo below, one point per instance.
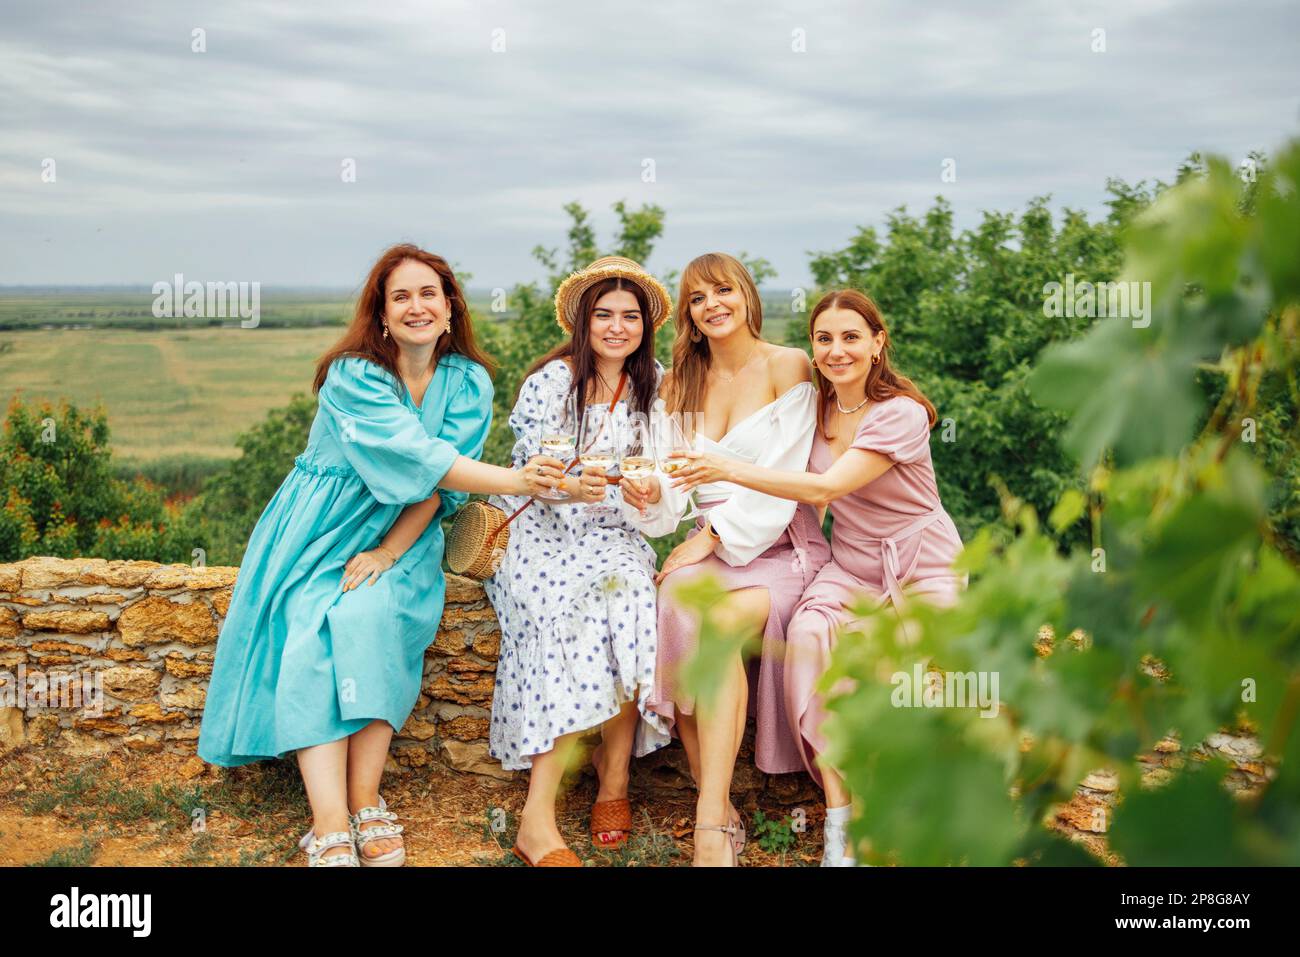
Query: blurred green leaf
(1124, 388)
(1189, 822)
(1201, 549)
(703, 672)
(1279, 225)
(1068, 510)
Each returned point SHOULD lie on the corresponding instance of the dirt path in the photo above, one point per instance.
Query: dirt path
(132, 810)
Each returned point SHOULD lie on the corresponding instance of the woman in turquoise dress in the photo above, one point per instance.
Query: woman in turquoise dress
(341, 588)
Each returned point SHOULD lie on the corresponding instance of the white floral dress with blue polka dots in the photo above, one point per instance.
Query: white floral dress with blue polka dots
(575, 597)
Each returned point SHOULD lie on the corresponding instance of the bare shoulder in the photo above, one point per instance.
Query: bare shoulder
(787, 367)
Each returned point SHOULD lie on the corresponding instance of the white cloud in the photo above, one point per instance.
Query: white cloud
(756, 146)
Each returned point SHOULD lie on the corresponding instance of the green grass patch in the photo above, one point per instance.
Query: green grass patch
(80, 855)
(243, 793)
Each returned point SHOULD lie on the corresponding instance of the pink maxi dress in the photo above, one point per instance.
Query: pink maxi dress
(889, 536)
(767, 542)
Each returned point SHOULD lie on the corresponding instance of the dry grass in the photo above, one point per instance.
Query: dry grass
(136, 810)
(169, 392)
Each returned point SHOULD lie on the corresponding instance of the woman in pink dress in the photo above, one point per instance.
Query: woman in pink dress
(870, 464)
(744, 399)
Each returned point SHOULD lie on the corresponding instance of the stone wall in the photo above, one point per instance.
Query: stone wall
(148, 633)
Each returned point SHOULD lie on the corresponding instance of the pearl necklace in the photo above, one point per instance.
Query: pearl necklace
(844, 411)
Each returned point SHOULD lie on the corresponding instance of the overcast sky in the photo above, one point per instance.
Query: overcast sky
(226, 164)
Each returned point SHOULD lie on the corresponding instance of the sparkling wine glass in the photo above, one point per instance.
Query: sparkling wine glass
(598, 439)
(676, 441)
(638, 450)
(559, 436)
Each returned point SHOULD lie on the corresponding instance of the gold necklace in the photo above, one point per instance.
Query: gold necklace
(730, 378)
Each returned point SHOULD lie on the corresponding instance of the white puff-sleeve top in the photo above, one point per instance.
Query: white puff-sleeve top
(777, 436)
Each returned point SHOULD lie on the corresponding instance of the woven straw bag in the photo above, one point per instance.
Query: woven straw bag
(480, 534)
(478, 540)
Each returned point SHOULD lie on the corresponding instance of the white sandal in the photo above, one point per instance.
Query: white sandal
(363, 836)
(316, 848)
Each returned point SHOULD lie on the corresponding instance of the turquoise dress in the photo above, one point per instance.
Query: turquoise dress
(299, 661)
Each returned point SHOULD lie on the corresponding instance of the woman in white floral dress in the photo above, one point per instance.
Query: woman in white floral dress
(575, 592)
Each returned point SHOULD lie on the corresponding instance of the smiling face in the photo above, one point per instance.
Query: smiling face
(843, 345)
(717, 308)
(617, 325)
(416, 310)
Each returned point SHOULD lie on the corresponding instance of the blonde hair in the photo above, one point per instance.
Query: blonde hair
(691, 360)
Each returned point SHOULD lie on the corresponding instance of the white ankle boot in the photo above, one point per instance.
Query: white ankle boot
(835, 838)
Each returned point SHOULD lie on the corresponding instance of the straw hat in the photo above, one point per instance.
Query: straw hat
(610, 267)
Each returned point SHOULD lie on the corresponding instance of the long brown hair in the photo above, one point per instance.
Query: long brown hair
(691, 360)
(364, 338)
(882, 381)
(640, 365)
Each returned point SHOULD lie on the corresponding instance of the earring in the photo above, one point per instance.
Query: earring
(385, 330)
(696, 335)
(875, 360)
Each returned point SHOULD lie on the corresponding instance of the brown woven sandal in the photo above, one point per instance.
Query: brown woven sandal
(611, 816)
(561, 857)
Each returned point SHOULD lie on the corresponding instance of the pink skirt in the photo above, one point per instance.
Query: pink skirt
(810, 640)
(784, 570)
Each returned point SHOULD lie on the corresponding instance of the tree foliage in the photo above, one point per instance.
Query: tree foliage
(966, 317)
(61, 497)
(1188, 605)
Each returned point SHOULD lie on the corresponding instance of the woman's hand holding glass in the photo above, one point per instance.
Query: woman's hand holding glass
(640, 492)
(558, 438)
(599, 443)
(639, 484)
(701, 468)
(591, 485)
(541, 474)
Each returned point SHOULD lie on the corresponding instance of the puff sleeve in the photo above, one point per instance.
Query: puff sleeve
(532, 406)
(466, 423)
(379, 436)
(750, 522)
(898, 427)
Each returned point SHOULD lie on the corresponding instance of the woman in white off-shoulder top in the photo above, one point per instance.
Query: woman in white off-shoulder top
(755, 401)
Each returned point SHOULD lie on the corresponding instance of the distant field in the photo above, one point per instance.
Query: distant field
(172, 388)
(185, 391)
(167, 393)
(133, 309)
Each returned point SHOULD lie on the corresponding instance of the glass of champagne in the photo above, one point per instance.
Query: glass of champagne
(598, 440)
(676, 443)
(559, 437)
(638, 461)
